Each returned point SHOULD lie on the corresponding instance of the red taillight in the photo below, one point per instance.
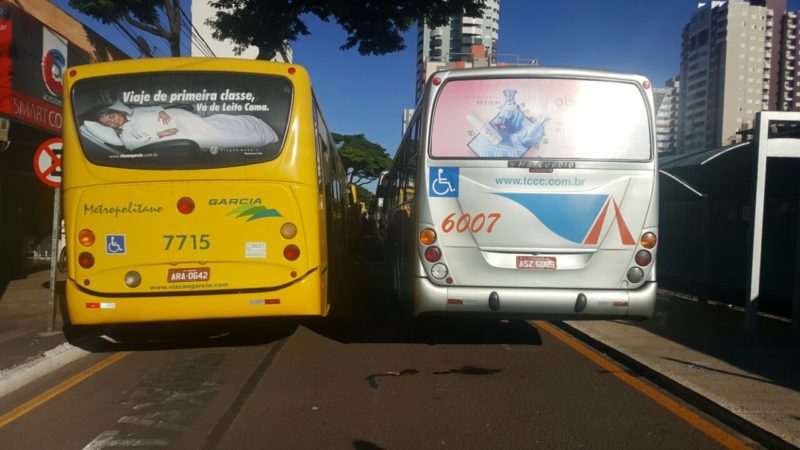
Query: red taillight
(185, 205)
(648, 240)
(437, 81)
(291, 252)
(643, 257)
(86, 238)
(432, 254)
(646, 85)
(86, 260)
(292, 70)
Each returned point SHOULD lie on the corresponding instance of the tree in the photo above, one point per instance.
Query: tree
(374, 27)
(142, 14)
(363, 160)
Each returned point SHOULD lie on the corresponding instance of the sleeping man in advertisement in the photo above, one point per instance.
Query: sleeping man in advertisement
(144, 125)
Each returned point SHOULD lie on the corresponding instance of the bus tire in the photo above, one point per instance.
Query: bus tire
(62, 260)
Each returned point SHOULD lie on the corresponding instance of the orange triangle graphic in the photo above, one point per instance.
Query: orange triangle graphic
(594, 233)
(624, 232)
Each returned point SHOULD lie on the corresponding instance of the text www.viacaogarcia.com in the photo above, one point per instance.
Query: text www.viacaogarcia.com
(181, 286)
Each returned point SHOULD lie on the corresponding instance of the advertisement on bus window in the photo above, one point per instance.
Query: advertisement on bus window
(182, 120)
(540, 118)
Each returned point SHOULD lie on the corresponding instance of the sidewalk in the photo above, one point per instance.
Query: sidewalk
(695, 349)
(699, 351)
(27, 350)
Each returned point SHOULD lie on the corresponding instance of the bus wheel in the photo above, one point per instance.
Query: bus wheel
(62, 260)
(396, 281)
(402, 289)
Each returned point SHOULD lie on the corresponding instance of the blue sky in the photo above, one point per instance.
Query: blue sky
(367, 94)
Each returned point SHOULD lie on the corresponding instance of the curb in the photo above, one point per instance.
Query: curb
(22, 374)
(692, 397)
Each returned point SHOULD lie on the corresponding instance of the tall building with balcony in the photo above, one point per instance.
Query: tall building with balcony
(667, 109)
(789, 64)
(737, 58)
(726, 71)
(469, 40)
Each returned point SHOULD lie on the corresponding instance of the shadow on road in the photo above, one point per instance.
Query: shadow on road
(181, 335)
(362, 313)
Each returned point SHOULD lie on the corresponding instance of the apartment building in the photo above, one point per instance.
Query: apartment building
(737, 58)
(667, 109)
(471, 41)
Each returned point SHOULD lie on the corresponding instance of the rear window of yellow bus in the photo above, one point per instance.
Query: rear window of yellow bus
(510, 118)
(182, 120)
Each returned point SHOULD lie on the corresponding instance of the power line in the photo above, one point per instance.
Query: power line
(192, 39)
(143, 37)
(199, 37)
(129, 37)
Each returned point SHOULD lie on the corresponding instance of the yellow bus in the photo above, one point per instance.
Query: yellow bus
(199, 188)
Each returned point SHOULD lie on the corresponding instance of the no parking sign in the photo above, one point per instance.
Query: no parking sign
(47, 162)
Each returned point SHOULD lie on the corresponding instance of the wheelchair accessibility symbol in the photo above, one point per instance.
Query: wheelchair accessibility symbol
(443, 182)
(115, 244)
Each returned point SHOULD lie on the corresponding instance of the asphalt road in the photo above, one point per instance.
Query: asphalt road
(370, 381)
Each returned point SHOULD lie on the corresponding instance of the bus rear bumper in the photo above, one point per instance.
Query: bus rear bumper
(303, 298)
(554, 304)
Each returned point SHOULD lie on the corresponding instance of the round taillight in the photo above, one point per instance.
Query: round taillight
(427, 236)
(133, 279)
(648, 240)
(437, 81)
(292, 70)
(643, 257)
(185, 205)
(86, 237)
(86, 260)
(291, 252)
(635, 274)
(73, 72)
(288, 230)
(646, 84)
(439, 271)
(432, 254)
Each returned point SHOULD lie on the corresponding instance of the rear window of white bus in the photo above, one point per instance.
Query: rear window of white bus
(545, 118)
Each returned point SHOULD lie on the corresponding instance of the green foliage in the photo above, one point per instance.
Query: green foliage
(363, 159)
(364, 194)
(374, 27)
(142, 14)
(110, 11)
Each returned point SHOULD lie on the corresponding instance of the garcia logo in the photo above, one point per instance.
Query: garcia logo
(233, 201)
(254, 212)
(247, 207)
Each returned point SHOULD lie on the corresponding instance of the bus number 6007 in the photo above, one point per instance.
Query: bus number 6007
(467, 222)
(197, 242)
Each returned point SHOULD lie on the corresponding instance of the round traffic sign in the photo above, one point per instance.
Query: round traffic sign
(47, 162)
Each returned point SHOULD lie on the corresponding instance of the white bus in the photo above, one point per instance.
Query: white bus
(526, 192)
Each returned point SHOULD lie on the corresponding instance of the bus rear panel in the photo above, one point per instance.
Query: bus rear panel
(192, 191)
(540, 195)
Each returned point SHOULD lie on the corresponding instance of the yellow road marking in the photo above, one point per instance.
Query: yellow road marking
(676, 408)
(42, 398)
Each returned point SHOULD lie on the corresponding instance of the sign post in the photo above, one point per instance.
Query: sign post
(47, 165)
